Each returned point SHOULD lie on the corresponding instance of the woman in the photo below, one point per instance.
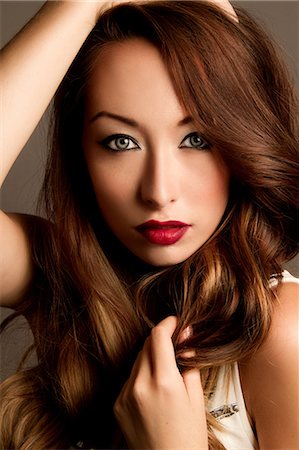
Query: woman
(155, 290)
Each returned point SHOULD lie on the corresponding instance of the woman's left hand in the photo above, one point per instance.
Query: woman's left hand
(158, 407)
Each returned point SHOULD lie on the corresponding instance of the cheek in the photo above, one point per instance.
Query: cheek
(112, 187)
(212, 180)
(218, 186)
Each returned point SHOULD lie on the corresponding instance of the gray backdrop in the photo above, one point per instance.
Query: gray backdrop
(20, 190)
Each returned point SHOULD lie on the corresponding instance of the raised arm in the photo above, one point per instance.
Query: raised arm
(35, 61)
(32, 66)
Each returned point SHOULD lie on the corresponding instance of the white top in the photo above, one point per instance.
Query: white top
(228, 406)
(227, 403)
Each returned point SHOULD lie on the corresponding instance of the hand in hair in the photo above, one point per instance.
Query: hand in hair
(227, 7)
(158, 407)
(105, 5)
(223, 4)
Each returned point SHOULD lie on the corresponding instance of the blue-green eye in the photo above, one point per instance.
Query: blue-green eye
(194, 140)
(119, 143)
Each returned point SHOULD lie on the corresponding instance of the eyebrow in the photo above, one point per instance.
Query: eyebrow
(129, 121)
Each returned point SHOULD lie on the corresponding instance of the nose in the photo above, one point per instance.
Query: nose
(160, 180)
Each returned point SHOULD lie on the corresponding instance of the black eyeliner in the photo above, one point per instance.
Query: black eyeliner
(104, 142)
(206, 144)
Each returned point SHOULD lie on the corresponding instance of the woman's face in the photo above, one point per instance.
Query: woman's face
(147, 160)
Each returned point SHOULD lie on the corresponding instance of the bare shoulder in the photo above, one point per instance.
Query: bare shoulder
(16, 265)
(270, 379)
(283, 335)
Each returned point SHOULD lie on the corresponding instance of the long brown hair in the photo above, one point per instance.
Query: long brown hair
(90, 310)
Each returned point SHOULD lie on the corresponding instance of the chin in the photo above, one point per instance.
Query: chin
(163, 260)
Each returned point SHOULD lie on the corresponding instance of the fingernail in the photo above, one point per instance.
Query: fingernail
(187, 333)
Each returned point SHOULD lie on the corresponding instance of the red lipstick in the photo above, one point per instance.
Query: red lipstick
(163, 233)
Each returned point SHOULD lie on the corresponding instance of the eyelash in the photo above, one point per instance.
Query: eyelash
(114, 137)
(203, 145)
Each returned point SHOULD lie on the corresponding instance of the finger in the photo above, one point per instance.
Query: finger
(227, 8)
(191, 377)
(143, 364)
(169, 323)
(128, 383)
(194, 390)
(163, 355)
(141, 371)
(183, 338)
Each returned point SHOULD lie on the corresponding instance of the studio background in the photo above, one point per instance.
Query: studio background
(20, 190)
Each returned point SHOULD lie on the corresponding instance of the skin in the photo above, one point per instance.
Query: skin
(158, 408)
(270, 376)
(163, 177)
(146, 397)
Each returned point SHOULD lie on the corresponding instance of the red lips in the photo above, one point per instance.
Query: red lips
(163, 233)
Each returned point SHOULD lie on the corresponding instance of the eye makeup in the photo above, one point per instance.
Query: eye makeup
(119, 143)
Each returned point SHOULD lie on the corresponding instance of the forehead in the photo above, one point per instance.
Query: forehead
(131, 76)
